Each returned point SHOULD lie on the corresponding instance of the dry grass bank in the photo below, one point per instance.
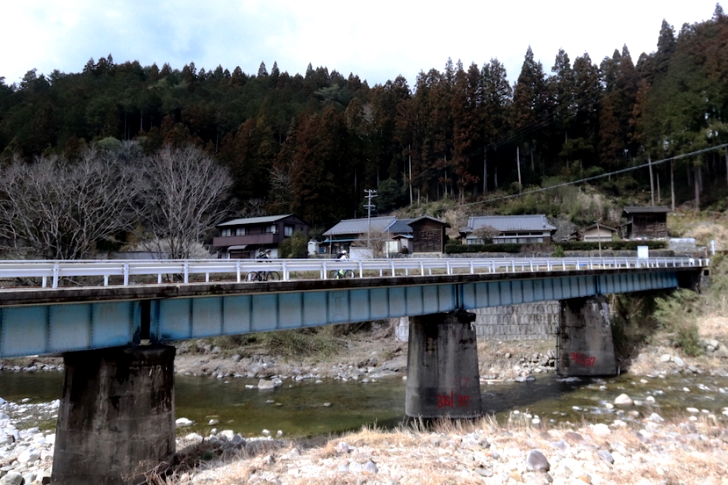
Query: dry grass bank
(484, 451)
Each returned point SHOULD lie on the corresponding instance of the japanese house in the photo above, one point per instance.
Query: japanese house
(244, 238)
(523, 229)
(388, 234)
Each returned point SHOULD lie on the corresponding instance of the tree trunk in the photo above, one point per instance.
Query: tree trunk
(659, 199)
(533, 167)
(410, 172)
(700, 179)
(652, 185)
(696, 181)
(518, 165)
(485, 171)
(672, 185)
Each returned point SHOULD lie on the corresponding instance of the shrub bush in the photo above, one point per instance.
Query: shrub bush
(677, 314)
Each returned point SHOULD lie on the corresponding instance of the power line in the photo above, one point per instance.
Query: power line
(595, 177)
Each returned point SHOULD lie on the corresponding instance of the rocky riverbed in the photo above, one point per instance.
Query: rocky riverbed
(637, 446)
(632, 442)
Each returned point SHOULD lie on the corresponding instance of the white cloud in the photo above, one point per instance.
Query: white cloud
(376, 40)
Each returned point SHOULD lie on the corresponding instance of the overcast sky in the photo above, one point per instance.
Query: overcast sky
(377, 40)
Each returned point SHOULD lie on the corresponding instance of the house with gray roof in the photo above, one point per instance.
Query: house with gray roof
(523, 229)
(421, 234)
(246, 237)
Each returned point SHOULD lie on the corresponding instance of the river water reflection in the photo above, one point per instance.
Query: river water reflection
(306, 408)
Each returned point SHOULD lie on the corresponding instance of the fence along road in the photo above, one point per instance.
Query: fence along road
(104, 273)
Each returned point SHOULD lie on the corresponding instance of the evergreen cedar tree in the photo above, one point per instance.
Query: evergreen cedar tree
(310, 144)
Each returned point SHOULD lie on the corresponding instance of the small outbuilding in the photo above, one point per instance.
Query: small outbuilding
(645, 222)
(597, 233)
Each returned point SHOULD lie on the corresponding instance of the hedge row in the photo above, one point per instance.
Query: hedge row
(454, 248)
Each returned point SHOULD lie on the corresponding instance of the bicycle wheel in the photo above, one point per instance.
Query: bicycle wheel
(348, 273)
(272, 276)
(259, 276)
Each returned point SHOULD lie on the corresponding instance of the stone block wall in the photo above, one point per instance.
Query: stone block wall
(527, 321)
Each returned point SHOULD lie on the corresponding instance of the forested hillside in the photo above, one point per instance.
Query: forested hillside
(310, 144)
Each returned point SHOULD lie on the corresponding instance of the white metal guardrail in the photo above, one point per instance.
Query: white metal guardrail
(132, 272)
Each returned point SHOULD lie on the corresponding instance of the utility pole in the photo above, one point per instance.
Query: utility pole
(599, 238)
(370, 195)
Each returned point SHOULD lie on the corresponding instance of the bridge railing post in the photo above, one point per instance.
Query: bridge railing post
(126, 274)
(237, 270)
(187, 272)
(56, 269)
(284, 270)
(361, 270)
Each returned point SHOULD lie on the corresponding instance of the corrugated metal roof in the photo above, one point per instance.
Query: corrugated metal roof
(360, 226)
(253, 220)
(646, 210)
(530, 222)
(400, 227)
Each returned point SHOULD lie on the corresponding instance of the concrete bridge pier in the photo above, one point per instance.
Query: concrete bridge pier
(116, 417)
(442, 367)
(585, 344)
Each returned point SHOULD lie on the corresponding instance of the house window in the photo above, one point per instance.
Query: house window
(272, 229)
(240, 231)
(287, 230)
(226, 232)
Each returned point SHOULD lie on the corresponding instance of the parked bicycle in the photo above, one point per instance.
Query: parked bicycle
(338, 274)
(264, 276)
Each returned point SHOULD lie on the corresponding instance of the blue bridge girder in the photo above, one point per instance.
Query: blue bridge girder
(51, 321)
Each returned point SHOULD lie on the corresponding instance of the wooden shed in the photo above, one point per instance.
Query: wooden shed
(645, 222)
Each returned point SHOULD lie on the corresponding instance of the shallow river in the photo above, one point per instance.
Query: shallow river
(299, 409)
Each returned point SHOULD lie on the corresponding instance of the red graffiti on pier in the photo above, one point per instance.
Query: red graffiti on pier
(583, 359)
(452, 399)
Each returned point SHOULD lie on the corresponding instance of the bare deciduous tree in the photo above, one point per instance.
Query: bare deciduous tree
(486, 234)
(183, 192)
(61, 209)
